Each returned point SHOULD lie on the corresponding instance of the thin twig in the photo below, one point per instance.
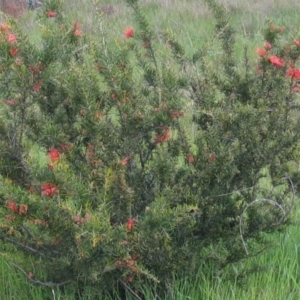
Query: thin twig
(27, 248)
(272, 202)
(130, 290)
(37, 281)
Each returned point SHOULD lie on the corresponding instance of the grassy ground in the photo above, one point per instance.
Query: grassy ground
(273, 275)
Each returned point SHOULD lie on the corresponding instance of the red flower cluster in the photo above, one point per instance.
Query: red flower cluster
(268, 45)
(273, 59)
(125, 160)
(48, 189)
(90, 151)
(51, 14)
(293, 73)
(35, 70)
(276, 61)
(296, 88)
(176, 114)
(11, 38)
(4, 27)
(31, 190)
(76, 30)
(53, 155)
(275, 29)
(10, 102)
(297, 42)
(128, 32)
(13, 206)
(13, 51)
(21, 210)
(191, 159)
(65, 147)
(38, 222)
(262, 52)
(37, 86)
(164, 136)
(212, 157)
(78, 220)
(130, 224)
(129, 263)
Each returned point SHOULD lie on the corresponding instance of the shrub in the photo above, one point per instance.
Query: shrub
(116, 191)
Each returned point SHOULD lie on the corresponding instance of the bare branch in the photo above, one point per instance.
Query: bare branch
(25, 247)
(135, 295)
(37, 281)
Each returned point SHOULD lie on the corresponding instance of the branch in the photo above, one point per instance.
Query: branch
(25, 247)
(37, 281)
(135, 295)
(272, 202)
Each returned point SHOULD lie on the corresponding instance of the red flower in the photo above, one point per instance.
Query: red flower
(10, 102)
(130, 224)
(38, 222)
(11, 38)
(23, 209)
(48, 189)
(76, 31)
(4, 27)
(125, 160)
(276, 29)
(51, 14)
(36, 69)
(191, 159)
(128, 32)
(261, 51)
(297, 42)
(99, 67)
(129, 279)
(54, 155)
(176, 114)
(90, 151)
(37, 86)
(13, 51)
(66, 147)
(296, 89)
(212, 157)
(268, 45)
(78, 220)
(13, 206)
(9, 218)
(276, 61)
(31, 190)
(293, 73)
(163, 137)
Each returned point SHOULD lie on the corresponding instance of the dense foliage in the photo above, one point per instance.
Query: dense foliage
(145, 164)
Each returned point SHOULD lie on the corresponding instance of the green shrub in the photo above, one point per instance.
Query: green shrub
(117, 192)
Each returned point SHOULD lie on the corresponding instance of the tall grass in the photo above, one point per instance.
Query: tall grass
(272, 275)
(13, 285)
(275, 275)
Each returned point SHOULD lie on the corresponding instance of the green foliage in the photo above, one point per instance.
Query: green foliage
(121, 194)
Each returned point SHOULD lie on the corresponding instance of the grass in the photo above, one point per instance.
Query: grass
(275, 274)
(14, 286)
(277, 279)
